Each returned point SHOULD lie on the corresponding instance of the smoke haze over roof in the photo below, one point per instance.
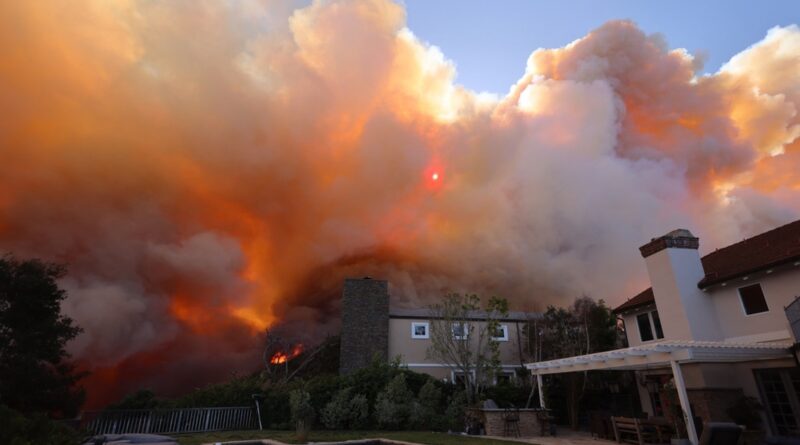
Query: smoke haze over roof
(208, 169)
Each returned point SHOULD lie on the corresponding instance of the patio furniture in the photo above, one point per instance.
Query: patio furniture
(511, 422)
(641, 431)
(627, 430)
(720, 433)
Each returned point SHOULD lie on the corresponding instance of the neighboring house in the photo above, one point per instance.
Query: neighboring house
(715, 327)
(370, 328)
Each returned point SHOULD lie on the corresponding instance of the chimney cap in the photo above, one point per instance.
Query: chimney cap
(678, 239)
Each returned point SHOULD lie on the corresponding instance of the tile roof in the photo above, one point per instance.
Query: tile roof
(769, 249)
(643, 298)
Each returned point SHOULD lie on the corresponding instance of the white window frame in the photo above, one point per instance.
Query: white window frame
(416, 324)
(649, 314)
(741, 301)
(465, 330)
(453, 375)
(512, 376)
(504, 337)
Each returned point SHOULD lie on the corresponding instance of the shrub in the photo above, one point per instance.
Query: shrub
(302, 412)
(454, 414)
(393, 405)
(359, 410)
(336, 413)
(427, 407)
(36, 429)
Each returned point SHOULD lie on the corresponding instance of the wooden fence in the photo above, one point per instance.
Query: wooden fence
(186, 420)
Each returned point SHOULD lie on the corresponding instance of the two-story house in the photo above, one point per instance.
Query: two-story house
(371, 329)
(713, 327)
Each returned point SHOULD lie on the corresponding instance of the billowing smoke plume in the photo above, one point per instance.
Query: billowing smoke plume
(207, 169)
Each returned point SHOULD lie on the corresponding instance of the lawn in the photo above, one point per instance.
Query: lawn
(426, 438)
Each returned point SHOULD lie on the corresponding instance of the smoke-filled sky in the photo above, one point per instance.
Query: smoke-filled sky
(208, 168)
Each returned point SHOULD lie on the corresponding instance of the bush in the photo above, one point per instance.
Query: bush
(141, 399)
(454, 413)
(336, 413)
(393, 405)
(302, 412)
(36, 429)
(359, 410)
(427, 407)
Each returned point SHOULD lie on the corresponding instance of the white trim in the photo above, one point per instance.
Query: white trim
(683, 397)
(741, 301)
(444, 365)
(782, 335)
(652, 323)
(662, 353)
(464, 330)
(415, 324)
(504, 328)
(453, 375)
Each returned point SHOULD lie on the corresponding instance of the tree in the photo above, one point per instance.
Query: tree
(586, 327)
(467, 347)
(35, 374)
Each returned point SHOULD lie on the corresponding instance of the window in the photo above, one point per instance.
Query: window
(780, 389)
(753, 300)
(504, 378)
(657, 324)
(645, 331)
(501, 333)
(419, 330)
(649, 323)
(461, 378)
(460, 331)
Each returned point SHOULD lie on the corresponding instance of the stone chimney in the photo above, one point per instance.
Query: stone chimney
(365, 323)
(674, 266)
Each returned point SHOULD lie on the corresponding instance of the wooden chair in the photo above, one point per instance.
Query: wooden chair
(627, 430)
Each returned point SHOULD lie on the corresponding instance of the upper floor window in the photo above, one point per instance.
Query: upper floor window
(420, 330)
(500, 333)
(460, 331)
(649, 326)
(753, 300)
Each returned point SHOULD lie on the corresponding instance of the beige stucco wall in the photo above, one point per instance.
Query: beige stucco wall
(780, 289)
(632, 327)
(412, 352)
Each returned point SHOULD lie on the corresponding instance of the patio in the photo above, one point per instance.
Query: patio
(563, 437)
(664, 354)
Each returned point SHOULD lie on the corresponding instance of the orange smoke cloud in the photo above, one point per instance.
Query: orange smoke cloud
(210, 169)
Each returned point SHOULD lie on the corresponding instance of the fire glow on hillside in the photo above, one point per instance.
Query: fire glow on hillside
(205, 185)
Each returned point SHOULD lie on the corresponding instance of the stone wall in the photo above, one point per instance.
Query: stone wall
(494, 423)
(365, 323)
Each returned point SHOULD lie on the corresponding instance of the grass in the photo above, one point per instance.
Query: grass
(421, 437)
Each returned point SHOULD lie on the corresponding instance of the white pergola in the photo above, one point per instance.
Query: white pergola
(663, 354)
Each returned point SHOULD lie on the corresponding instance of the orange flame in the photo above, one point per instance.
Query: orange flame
(281, 357)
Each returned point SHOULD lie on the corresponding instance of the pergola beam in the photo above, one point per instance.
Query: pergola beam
(683, 396)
